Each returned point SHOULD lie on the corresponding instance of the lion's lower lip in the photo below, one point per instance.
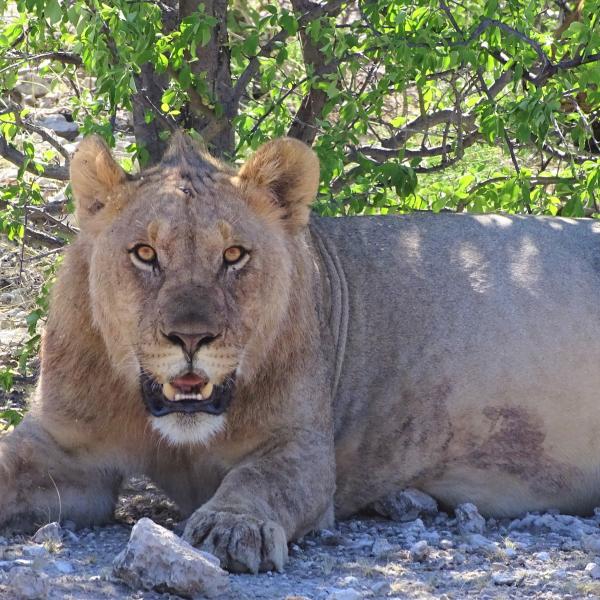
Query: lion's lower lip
(159, 405)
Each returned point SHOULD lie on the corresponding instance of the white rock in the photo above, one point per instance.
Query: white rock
(406, 505)
(419, 551)
(593, 570)
(60, 126)
(155, 558)
(347, 594)
(545, 556)
(468, 519)
(48, 533)
(27, 583)
(507, 578)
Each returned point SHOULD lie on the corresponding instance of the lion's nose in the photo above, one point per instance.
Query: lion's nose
(190, 342)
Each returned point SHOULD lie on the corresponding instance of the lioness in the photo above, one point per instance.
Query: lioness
(269, 368)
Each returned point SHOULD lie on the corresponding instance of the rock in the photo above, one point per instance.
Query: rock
(64, 566)
(476, 542)
(593, 570)
(27, 583)
(468, 519)
(156, 559)
(331, 538)
(381, 547)
(591, 543)
(32, 85)
(51, 533)
(60, 126)
(419, 551)
(381, 588)
(347, 594)
(406, 505)
(507, 578)
(36, 551)
(544, 556)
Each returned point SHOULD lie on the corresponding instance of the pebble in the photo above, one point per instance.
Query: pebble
(507, 578)
(347, 594)
(406, 505)
(468, 519)
(419, 551)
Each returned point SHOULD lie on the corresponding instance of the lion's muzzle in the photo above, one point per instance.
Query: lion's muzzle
(159, 405)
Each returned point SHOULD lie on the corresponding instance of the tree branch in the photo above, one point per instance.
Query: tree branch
(303, 126)
(329, 8)
(11, 154)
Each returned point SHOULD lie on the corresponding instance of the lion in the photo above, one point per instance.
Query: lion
(272, 370)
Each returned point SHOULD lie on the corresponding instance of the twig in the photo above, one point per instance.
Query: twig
(11, 154)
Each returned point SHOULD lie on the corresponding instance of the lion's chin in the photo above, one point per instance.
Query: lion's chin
(187, 429)
(160, 406)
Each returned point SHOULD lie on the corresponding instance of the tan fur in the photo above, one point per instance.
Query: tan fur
(88, 428)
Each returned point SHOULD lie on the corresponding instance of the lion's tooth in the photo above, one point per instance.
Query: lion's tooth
(169, 391)
(206, 391)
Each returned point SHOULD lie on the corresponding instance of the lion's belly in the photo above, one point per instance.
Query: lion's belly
(510, 444)
(471, 364)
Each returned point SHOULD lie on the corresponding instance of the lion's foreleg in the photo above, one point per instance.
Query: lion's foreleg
(278, 493)
(43, 481)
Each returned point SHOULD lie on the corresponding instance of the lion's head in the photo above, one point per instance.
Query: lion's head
(190, 270)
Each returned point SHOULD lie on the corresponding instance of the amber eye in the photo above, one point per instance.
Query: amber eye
(143, 256)
(235, 256)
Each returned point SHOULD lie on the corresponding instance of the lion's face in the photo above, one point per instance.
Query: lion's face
(190, 276)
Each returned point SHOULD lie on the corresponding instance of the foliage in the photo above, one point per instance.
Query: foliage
(477, 105)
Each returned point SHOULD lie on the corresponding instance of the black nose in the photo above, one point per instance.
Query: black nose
(190, 342)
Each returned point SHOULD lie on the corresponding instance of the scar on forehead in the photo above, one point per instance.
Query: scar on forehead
(152, 230)
(224, 228)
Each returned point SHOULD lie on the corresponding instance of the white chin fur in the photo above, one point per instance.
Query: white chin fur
(181, 429)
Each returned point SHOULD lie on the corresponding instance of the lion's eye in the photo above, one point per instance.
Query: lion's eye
(236, 257)
(143, 256)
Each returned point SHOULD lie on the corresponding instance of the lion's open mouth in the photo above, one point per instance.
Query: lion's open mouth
(207, 398)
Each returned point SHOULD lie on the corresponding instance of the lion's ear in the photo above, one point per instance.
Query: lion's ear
(95, 179)
(288, 170)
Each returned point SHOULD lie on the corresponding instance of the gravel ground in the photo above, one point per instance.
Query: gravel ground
(539, 556)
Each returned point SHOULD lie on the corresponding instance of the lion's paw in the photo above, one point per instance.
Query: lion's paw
(241, 542)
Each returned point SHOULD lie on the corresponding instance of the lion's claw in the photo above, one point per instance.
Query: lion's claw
(241, 542)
